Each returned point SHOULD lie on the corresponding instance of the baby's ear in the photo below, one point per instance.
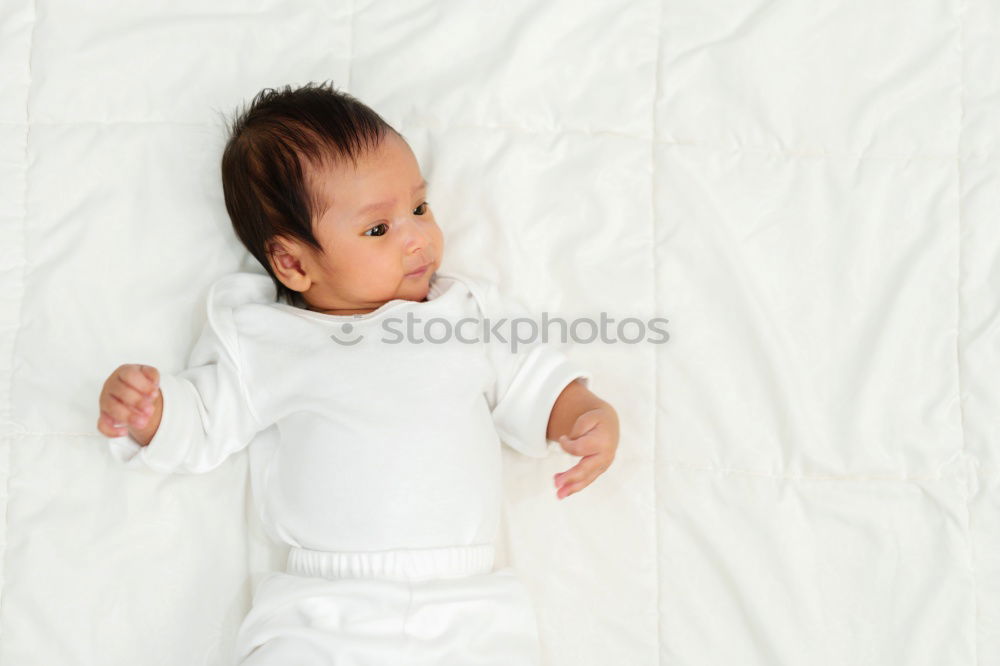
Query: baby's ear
(280, 257)
(287, 266)
(285, 260)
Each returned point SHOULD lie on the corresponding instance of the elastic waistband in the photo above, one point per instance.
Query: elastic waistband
(403, 565)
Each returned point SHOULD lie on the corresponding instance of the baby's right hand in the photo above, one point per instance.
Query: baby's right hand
(131, 402)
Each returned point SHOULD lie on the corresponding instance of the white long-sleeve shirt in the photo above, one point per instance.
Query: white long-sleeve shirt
(367, 446)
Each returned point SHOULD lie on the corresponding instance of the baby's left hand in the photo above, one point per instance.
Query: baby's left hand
(594, 436)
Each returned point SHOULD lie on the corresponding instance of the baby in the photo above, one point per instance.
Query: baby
(377, 463)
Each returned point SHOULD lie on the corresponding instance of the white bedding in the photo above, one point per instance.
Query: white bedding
(809, 470)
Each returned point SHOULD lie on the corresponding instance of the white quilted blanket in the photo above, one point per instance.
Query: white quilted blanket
(809, 470)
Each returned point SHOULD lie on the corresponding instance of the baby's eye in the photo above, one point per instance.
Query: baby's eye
(424, 205)
(377, 226)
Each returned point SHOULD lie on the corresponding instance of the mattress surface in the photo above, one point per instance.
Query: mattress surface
(809, 468)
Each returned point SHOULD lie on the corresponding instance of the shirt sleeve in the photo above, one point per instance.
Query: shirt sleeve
(529, 376)
(207, 413)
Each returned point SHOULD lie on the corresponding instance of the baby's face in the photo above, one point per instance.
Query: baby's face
(377, 230)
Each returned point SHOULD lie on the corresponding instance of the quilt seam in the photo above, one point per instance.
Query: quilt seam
(10, 434)
(656, 351)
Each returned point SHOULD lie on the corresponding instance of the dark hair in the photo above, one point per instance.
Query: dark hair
(264, 181)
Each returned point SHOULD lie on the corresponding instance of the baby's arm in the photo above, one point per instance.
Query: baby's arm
(527, 379)
(198, 416)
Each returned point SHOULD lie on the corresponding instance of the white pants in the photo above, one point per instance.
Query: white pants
(428, 607)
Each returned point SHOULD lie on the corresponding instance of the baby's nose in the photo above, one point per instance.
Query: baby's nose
(417, 239)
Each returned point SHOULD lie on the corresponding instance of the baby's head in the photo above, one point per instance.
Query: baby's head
(329, 198)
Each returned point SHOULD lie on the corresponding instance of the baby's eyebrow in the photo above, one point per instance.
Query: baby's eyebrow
(381, 204)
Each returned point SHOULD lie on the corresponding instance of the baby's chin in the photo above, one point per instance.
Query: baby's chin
(418, 289)
(422, 293)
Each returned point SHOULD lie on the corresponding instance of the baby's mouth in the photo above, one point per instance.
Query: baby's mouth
(420, 271)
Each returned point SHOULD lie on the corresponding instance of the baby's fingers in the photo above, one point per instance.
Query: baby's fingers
(125, 394)
(126, 414)
(587, 444)
(143, 378)
(572, 487)
(580, 475)
(109, 426)
(128, 399)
